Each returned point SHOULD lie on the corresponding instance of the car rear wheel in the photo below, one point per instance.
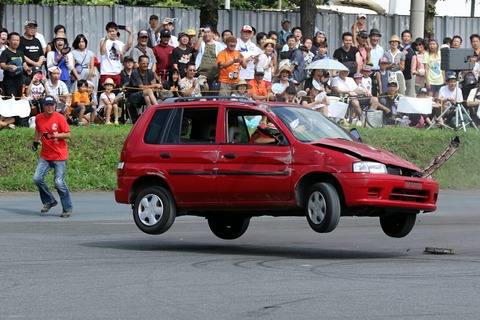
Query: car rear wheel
(398, 225)
(154, 210)
(228, 228)
(323, 207)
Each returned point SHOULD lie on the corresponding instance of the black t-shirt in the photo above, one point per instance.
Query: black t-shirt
(182, 57)
(31, 48)
(8, 56)
(409, 53)
(136, 79)
(343, 56)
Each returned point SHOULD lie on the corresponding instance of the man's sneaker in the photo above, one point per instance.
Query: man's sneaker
(66, 214)
(47, 207)
(116, 123)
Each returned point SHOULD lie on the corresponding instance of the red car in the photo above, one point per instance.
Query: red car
(229, 161)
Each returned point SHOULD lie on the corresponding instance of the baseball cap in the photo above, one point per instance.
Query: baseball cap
(366, 68)
(392, 83)
(357, 75)
(165, 33)
(153, 16)
(286, 20)
(191, 32)
(383, 60)
(128, 59)
(247, 28)
(450, 76)
(49, 100)
(30, 22)
(363, 34)
(36, 69)
(423, 91)
(361, 15)
(142, 33)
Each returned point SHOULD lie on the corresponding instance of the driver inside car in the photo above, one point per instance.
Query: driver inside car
(266, 133)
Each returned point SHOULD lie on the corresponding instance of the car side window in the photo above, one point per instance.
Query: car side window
(241, 125)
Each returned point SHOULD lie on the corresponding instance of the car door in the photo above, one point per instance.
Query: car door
(251, 172)
(186, 152)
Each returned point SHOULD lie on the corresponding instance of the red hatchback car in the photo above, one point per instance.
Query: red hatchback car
(229, 161)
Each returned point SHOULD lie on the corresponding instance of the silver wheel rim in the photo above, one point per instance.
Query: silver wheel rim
(150, 209)
(317, 208)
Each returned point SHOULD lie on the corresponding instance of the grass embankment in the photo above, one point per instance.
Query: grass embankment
(94, 154)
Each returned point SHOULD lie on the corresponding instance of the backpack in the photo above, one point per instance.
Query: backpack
(469, 81)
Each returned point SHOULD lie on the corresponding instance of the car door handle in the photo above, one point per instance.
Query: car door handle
(230, 155)
(165, 155)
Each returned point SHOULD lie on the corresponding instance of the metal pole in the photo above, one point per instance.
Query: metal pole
(417, 17)
(472, 8)
(227, 4)
(279, 4)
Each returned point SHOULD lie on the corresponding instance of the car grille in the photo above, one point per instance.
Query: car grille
(400, 194)
(400, 171)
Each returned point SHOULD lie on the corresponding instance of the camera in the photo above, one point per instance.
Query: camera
(121, 27)
(233, 75)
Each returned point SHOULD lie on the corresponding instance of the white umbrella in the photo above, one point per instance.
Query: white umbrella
(327, 64)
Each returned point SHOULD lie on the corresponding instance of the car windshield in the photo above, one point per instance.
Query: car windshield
(309, 125)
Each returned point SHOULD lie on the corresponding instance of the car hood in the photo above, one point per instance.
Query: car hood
(366, 152)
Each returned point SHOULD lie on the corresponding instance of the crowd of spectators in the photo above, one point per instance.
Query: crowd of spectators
(154, 64)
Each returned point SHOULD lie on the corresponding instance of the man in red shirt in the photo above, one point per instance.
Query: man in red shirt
(163, 55)
(52, 128)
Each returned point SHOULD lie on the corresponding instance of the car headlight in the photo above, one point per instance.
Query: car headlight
(369, 167)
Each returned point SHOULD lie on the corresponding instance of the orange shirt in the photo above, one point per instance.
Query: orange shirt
(260, 89)
(79, 98)
(224, 74)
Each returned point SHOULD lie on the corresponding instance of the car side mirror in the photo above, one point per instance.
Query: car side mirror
(354, 132)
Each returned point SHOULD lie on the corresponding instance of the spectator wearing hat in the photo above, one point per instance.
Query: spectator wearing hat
(434, 76)
(382, 76)
(319, 38)
(376, 51)
(359, 26)
(229, 62)
(450, 94)
(249, 51)
(207, 50)
(153, 37)
(284, 76)
(183, 54)
(267, 63)
(59, 29)
(363, 49)
(409, 53)
(62, 57)
(112, 52)
(241, 89)
(36, 90)
(418, 69)
(163, 55)
(13, 63)
(52, 129)
(192, 34)
(168, 24)
(58, 89)
(317, 98)
(31, 47)
(396, 62)
(284, 33)
(388, 103)
(347, 54)
(142, 49)
(259, 88)
(109, 102)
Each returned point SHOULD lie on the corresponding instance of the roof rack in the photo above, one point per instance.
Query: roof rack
(208, 98)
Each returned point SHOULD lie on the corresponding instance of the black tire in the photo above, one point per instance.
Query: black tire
(398, 225)
(228, 228)
(154, 210)
(322, 207)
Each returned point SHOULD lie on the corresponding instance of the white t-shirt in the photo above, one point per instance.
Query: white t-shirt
(263, 61)
(445, 93)
(367, 84)
(59, 89)
(247, 49)
(109, 96)
(110, 62)
(347, 85)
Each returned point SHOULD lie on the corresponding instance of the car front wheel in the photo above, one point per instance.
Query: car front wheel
(154, 210)
(398, 225)
(323, 207)
(228, 228)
